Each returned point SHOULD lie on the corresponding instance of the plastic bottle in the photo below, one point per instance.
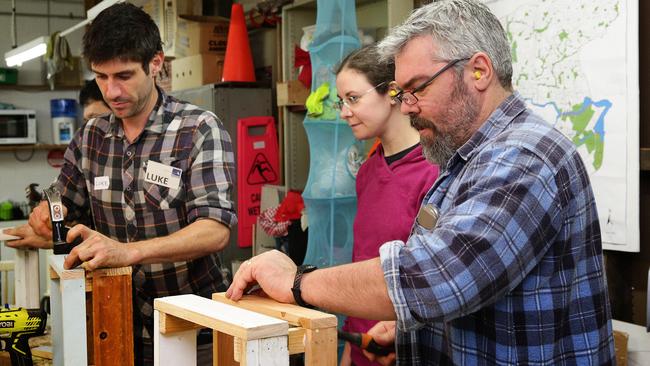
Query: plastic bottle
(64, 116)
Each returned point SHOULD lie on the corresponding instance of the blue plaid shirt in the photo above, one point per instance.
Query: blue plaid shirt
(513, 271)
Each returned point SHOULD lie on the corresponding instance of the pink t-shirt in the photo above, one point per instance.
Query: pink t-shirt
(388, 199)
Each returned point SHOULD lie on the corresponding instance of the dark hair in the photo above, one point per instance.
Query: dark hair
(90, 93)
(122, 31)
(366, 60)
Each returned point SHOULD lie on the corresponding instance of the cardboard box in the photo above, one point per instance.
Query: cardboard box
(200, 35)
(165, 14)
(193, 71)
(291, 92)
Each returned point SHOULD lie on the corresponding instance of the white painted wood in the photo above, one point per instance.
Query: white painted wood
(271, 351)
(26, 278)
(6, 268)
(56, 264)
(173, 349)
(226, 318)
(68, 303)
(56, 321)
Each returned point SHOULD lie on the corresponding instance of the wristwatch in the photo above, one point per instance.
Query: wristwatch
(297, 294)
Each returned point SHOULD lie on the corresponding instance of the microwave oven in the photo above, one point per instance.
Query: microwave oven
(17, 126)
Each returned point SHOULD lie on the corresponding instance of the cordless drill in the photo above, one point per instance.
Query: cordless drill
(16, 327)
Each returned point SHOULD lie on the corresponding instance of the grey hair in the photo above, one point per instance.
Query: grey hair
(460, 28)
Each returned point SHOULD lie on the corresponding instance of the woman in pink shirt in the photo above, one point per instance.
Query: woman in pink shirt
(393, 181)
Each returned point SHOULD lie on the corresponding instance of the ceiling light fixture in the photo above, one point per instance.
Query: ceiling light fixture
(32, 49)
(38, 46)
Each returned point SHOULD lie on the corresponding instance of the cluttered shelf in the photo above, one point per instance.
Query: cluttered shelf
(33, 147)
(32, 88)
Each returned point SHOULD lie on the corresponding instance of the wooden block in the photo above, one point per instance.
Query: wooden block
(173, 348)
(294, 314)
(297, 338)
(42, 352)
(620, 347)
(291, 92)
(112, 318)
(265, 351)
(56, 264)
(218, 316)
(296, 342)
(172, 324)
(223, 350)
(26, 282)
(321, 347)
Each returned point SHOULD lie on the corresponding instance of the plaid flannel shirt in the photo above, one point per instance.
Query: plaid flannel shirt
(177, 134)
(513, 271)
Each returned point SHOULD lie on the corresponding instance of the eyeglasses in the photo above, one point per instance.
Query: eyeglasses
(351, 100)
(409, 97)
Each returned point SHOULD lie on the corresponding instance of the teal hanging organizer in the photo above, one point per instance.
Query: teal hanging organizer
(329, 195)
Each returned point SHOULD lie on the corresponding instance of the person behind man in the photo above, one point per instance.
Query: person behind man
(155, 176)
(395, 178)
(512, 271)
(92, 101)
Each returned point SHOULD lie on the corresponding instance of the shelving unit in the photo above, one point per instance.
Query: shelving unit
(33, 147)
(377, 15)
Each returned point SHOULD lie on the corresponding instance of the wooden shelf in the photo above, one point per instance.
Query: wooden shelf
(33, 147)
(37, 88)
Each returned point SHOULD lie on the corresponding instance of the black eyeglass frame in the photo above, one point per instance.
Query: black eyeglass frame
(400, 96)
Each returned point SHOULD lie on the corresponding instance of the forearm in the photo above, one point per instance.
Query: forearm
(198, 239)
(356, 289)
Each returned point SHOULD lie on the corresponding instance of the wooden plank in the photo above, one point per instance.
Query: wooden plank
(6, 266)
(53, 274)
(321, 347)
(113, 319)
(294, 314)
(270, 351)
(103, 272)
(174, 348)
(172, 324)
(56, 264)
(223, 350)
(26, 279)
(222, 317)
(68, 302)
(42, 352)
(296, 341)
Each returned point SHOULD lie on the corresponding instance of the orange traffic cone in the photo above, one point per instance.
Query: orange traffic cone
(238, 65)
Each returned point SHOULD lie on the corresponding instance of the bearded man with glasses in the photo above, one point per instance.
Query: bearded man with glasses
(504, 264)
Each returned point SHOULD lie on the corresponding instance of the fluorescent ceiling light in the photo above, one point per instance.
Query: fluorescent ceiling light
(26, 52)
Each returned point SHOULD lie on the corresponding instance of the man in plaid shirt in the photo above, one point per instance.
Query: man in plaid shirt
(511, 272)
(151, 181)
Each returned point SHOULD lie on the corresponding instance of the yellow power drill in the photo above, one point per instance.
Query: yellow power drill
(16, 327)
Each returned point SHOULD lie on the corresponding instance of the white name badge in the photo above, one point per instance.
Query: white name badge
(163, 175)
(102, 183)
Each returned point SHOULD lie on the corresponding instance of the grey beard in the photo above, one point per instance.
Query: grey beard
(438, 150)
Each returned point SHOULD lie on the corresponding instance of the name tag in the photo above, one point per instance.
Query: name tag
(428, 216)
(163, 175)
(101, 183)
